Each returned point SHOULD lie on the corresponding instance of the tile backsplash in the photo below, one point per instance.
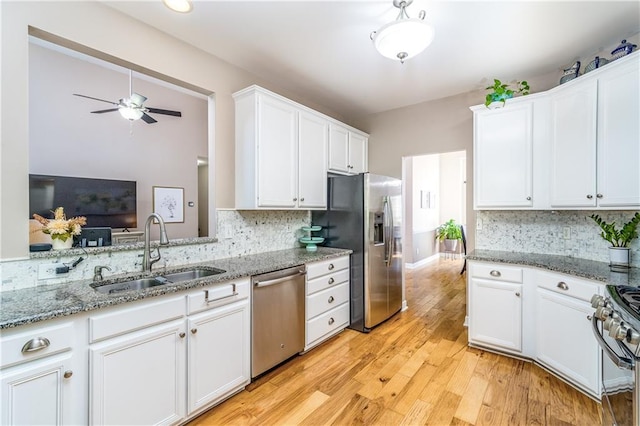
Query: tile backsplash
(239, 233)
(544, 232)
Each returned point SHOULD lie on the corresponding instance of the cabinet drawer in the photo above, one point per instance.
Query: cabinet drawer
(217, 295)
(327, 322)
(327, 281)
(567, 285)
(51, 340)
(327, 299)
(496, 272)
(318, 269)
(125, 320)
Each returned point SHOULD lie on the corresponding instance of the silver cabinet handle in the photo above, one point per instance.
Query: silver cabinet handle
(331, 280)
(234, 292)
(599, 195)
(295, 199)
(278, 280)
(182, 335)
(517, 294)
(331, 299)
(589, 317)
(528, 198)
(36, 344)
(563, 286)
(302, 199)
(331, 266)
(67, 374)
(194, 330)
(590, 197)
(495, 273)
(331, 321)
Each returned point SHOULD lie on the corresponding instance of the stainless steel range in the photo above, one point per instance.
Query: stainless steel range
(619, 336)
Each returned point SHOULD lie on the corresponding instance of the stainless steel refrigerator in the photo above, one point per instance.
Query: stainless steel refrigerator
(364, 214)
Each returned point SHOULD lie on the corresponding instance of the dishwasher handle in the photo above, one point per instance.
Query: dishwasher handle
(278, 280)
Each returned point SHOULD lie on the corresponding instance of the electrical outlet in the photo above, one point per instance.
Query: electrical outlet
(566, 232)
(47, 271)
(479, 224)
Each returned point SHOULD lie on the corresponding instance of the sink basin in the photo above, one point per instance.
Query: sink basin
(192, 274)
(143, 283)
(139, 284)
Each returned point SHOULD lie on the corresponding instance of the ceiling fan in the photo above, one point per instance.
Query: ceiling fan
(132, 108)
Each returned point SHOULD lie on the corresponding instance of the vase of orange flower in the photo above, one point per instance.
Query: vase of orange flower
(60, 228)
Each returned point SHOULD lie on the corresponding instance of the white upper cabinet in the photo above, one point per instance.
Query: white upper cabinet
(347, 150)
(595, 140)
(312, 161)
(503, 156)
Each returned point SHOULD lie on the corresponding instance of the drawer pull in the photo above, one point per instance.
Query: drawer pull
(495, 273)
(68, 374)
(563, 286)
(233, 293)
(331, 299)
(331, 267)
(331, 321)
(331, 280)
(36, 344)
(194, 330)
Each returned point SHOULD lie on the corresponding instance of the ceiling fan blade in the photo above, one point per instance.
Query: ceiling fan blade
(137, 99)
(104, 110)
(148, 119)
(95, 99)
(165, 112)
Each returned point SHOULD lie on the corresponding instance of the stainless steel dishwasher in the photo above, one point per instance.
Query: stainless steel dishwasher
(277, 312)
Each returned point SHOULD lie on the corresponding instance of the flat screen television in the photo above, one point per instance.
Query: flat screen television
(104, 202)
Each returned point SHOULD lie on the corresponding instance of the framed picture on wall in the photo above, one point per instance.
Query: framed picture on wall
(169, 203)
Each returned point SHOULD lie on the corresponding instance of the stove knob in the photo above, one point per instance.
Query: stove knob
(597, 301)
(610, 323)
(602, 313)
(618, 330)
(633, 337)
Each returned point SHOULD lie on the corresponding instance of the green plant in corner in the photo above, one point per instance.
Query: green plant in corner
(501, 91)
(448, 231)
(618, 237)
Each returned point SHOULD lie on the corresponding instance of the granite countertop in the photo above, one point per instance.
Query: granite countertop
(45, 302)
(599, 271)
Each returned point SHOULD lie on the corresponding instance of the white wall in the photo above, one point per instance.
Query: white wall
(452, 186)
(66, 139)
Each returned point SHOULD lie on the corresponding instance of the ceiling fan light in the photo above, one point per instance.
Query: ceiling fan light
(182, 6)
(130, 113)
(403, 39)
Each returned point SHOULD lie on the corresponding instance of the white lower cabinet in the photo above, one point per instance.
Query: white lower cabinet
(219, 355)
(139, 378)
(495, 314)
(327, 300)
(43, 374)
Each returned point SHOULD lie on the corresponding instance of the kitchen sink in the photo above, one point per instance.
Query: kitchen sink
(144, 283)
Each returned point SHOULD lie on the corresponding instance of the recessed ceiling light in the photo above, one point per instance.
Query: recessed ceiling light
(182, 6)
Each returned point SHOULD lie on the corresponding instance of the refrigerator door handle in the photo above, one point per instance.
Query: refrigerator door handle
(388, 237)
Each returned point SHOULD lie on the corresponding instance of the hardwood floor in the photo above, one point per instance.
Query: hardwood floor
(416, 368)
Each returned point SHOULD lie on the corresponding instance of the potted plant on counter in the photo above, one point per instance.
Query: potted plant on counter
(449, 233)
(618, 238)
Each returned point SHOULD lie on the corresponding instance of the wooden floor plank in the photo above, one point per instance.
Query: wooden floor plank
(414, 369)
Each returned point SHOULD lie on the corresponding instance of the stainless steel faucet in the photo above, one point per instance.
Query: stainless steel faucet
(147, 259)
(97, 273)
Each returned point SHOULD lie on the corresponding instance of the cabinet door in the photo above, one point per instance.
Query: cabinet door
(139, 378)
(573, 146)
(503, 157)
(312, 170)
(495, 314)
(564, 339)
(277, 153)
(338, 149)
(357, 153)
(219, 357)
(619, 136)
(39, 393)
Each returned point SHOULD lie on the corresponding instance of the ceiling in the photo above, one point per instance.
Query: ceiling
(321, 50)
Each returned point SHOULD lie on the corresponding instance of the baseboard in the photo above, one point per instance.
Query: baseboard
(404, 306)
(423, 262)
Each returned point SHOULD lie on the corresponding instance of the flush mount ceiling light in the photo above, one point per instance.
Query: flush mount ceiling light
(182, 6)
(405, 37)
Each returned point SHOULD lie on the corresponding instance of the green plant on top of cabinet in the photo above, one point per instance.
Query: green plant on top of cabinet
(500, 91)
